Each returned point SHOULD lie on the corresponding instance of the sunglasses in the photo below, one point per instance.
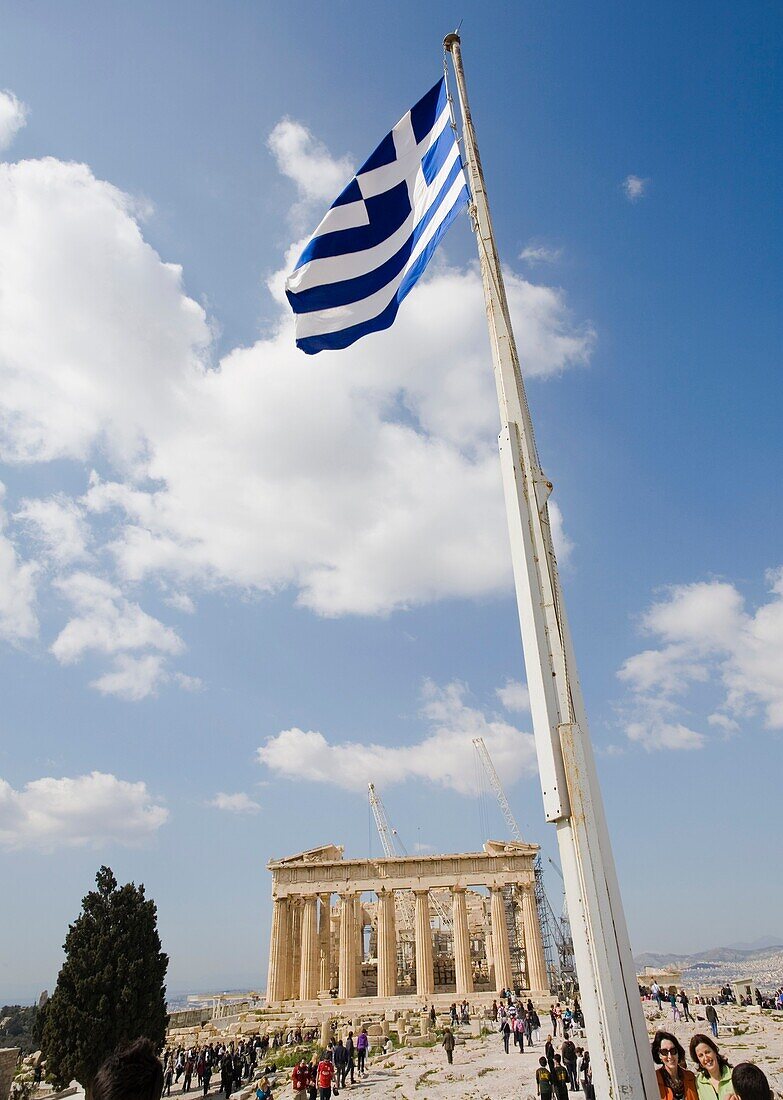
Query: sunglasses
(668, 1052)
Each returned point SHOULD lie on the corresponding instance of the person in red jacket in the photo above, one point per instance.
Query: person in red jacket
(300, 1079)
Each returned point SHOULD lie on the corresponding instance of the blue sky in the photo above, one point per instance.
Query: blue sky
(213, 547)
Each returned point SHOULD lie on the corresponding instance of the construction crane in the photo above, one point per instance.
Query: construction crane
(555, 933)
(565, 944)
(389, 837)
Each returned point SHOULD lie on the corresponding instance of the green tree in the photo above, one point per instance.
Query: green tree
(111, 988)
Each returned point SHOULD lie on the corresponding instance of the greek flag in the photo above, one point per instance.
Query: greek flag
(380, 232)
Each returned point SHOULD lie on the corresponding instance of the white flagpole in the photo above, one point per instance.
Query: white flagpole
(616, 1032)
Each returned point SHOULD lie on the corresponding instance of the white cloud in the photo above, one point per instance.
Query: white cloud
(656, 734)
(540, 254)
(445, 757)
(18, 618)
(348, 479)
(97, 340)
(58, 525)
(514, 695)
(108, 623)
(180, 601)
(563, 544)
(723, 722)
(634, 187)
(319, 177)
(239, 803)
(132, 678)
(91, 810)
(343, 506)
(707, 636)
(13, 116)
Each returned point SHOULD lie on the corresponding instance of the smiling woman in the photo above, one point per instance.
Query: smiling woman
(713, 1079)
(675, 1082)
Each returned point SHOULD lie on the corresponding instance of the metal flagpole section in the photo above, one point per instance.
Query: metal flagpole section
(616, 1032)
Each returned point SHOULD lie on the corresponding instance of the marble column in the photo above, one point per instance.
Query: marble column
(387, 945)
(359, 933)
(287, 958)
(500, 944)
(462, 966)
(347, 963)
(534, 947)
(308, 968)
(275, 985)
(295, 948)
(425, 981)
(488, 945)
(325, 941)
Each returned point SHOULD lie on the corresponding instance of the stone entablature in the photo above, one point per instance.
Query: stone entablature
(317, 947)
(404, 873)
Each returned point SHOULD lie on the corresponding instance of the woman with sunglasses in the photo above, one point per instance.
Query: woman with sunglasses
(675, 1082)
(713, 1080)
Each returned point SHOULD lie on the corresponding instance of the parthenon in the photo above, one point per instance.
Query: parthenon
(436, 926)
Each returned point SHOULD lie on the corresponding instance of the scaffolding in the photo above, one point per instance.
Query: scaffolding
(555, 932)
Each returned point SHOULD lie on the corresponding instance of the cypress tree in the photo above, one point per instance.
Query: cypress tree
(111, 988)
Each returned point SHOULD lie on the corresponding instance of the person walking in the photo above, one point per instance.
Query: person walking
(712, 1019)
(675, 1009)
(568, 1052)
(586, 1074)
(505, 1031)
(544, 1080)
(675, 1082)
(350, 1049)
(549, 1052)
(168, 1077)
(300, 1078)
(206, 1076)
(362, 1043)
(312, 1078)
(226, 1076)
(325, 1076)
(519, 1032)
(560, 1079)
(340, 1061)
(448, 1044)
(713, 1078)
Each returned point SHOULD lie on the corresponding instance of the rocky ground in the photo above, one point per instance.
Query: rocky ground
(482, 1071)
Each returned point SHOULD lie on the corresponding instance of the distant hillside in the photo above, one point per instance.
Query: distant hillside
(759, 944)
(713, 955)
(762, 966)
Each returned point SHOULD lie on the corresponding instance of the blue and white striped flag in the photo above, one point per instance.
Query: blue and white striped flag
(379, 234)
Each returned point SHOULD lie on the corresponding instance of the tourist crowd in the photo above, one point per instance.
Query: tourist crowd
(230, 1064)
(560, 1070)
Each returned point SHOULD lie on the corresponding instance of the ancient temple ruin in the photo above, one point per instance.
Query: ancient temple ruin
(421, 927)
